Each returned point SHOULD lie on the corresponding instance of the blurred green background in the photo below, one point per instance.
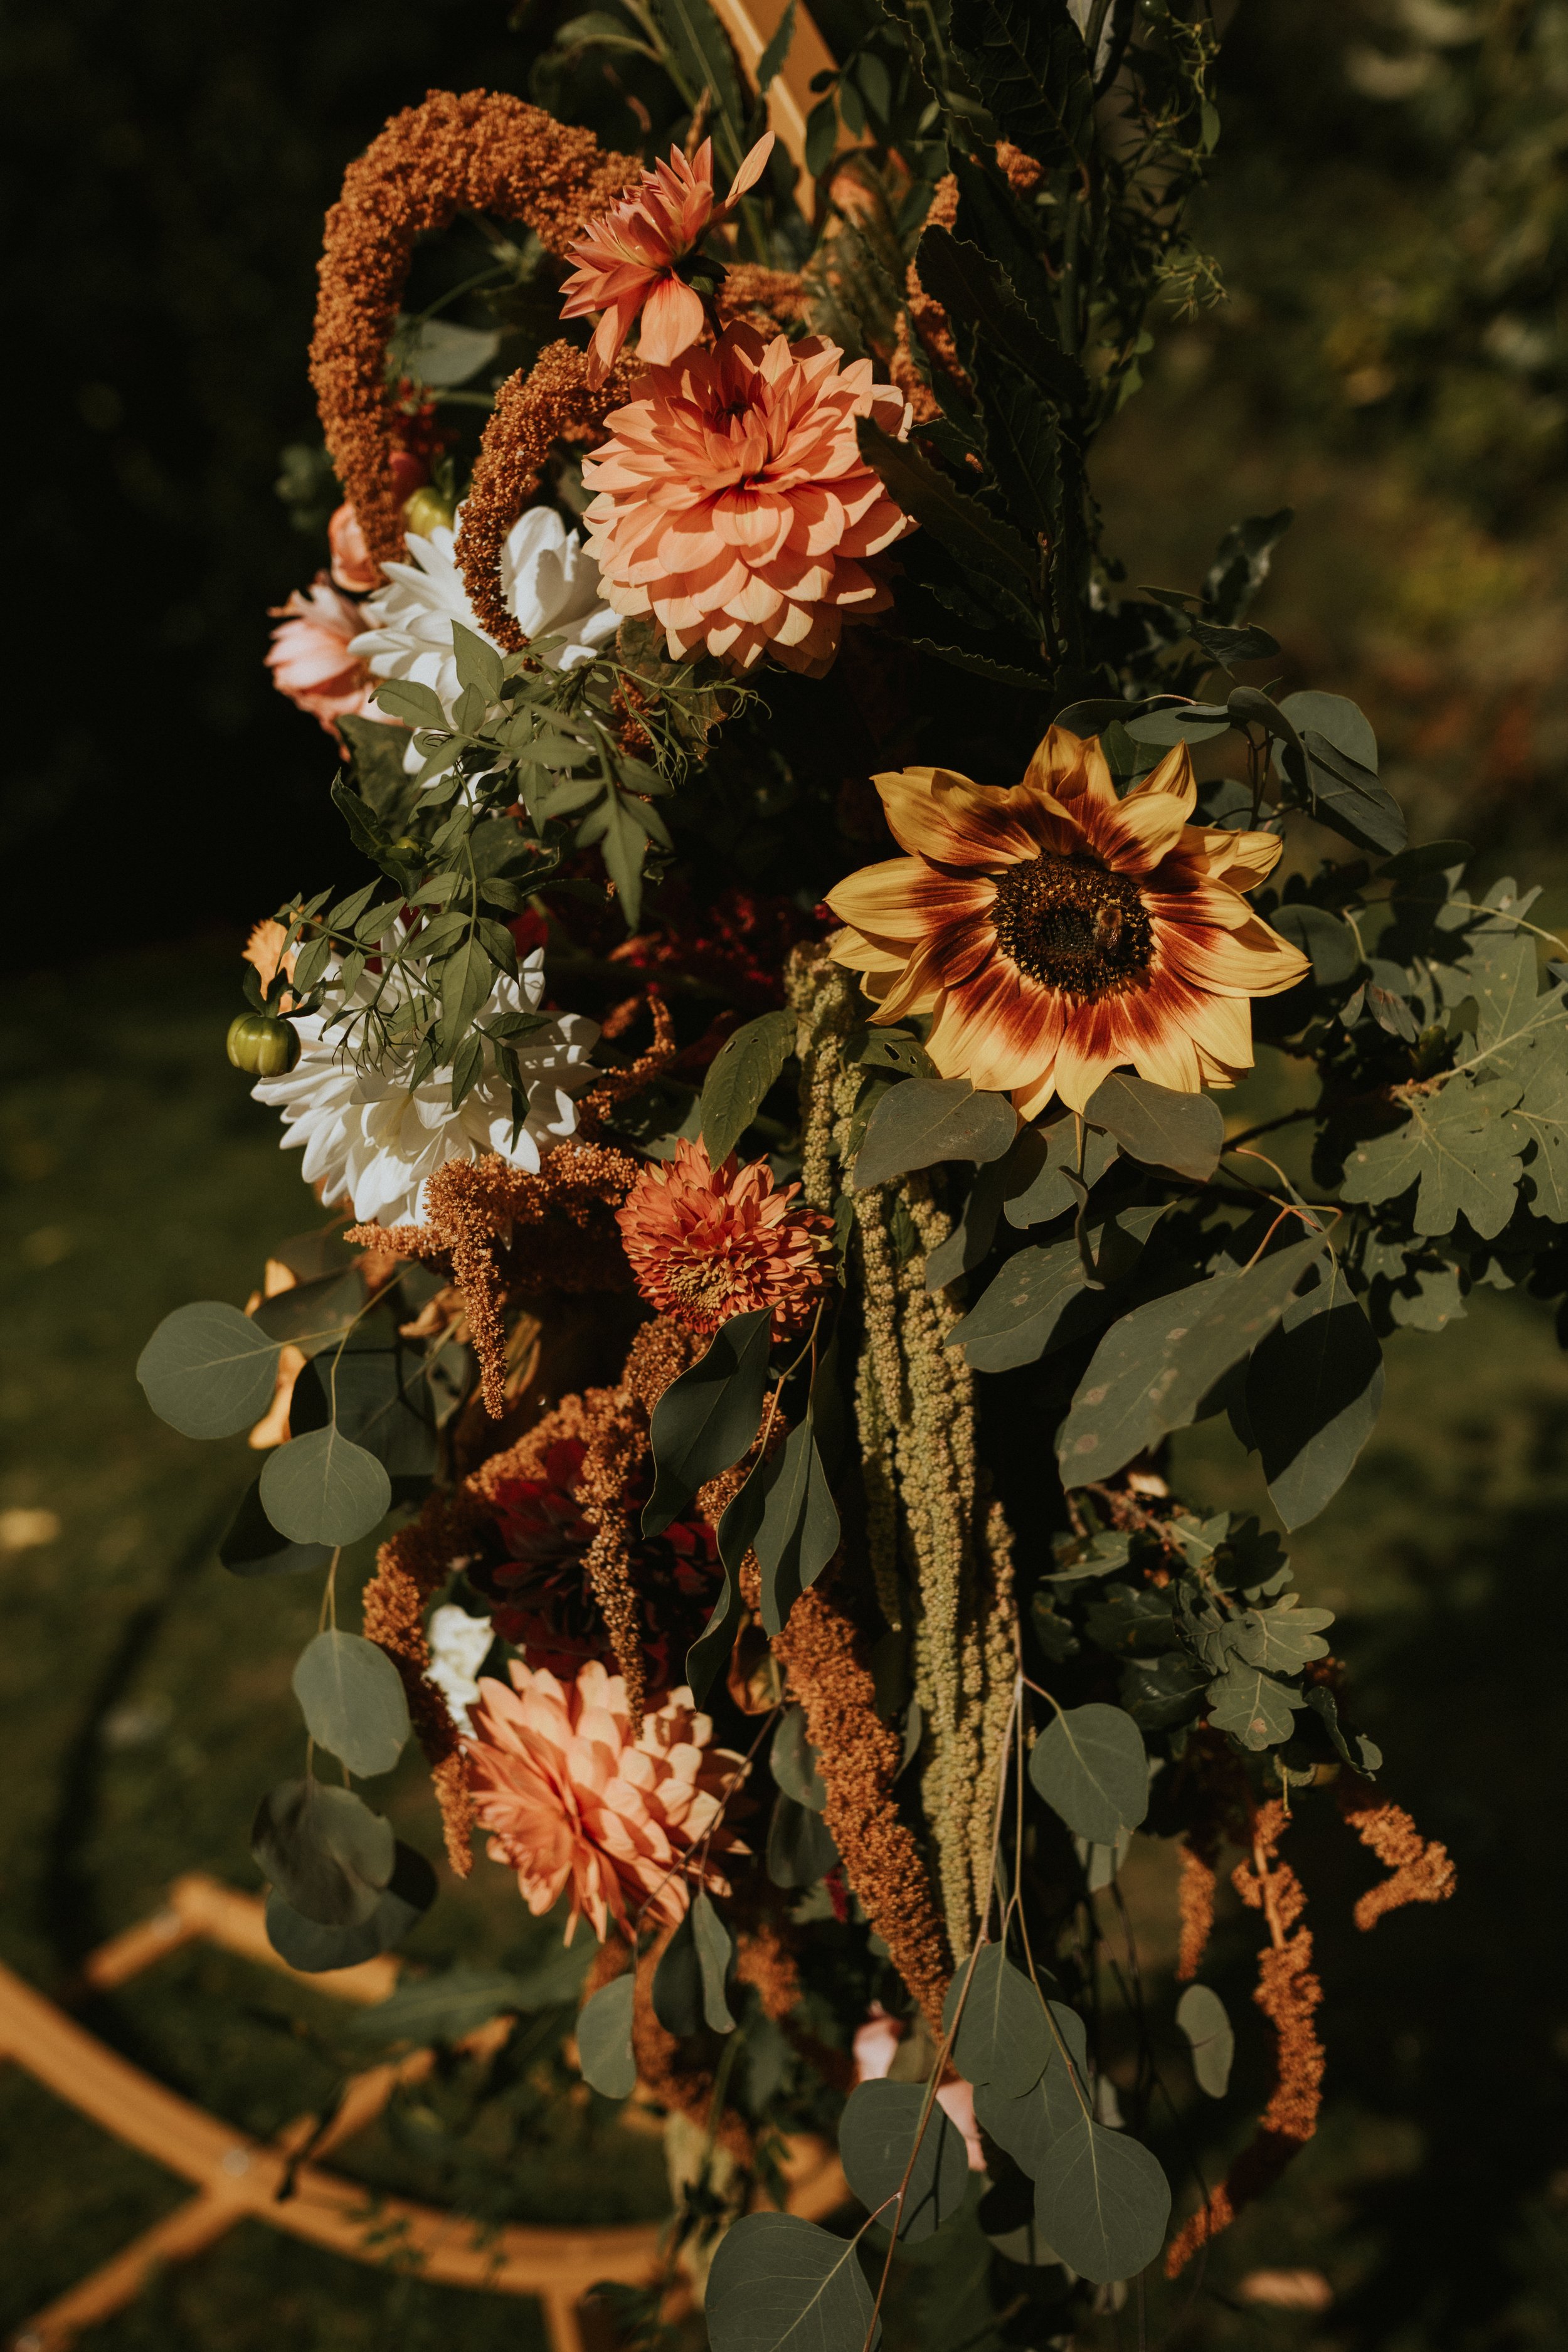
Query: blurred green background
(1389, 207)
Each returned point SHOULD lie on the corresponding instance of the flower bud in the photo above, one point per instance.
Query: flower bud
(427, 510)
(262, 1045)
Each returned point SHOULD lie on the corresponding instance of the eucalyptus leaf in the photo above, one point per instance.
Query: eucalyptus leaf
(705, 1421)
(798, 1532)
(886, 2137)
(604, 2039)
(738, 1077)
(324, 1850)
(208, 1370)
(251, 1545)
(792, 1760)
(715, 1956)
(1003, 2040)
(321, 1488)
(306, 1945)
(1200, 2015)
(923, 1120)
(677, 1991)
(353, 1702)
(800, 1848)
(1091, 1767)
(779, 2283)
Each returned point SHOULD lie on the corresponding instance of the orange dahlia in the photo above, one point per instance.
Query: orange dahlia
(1055, 931)
(735, 505)
(572, 1801)
(627, 258)
(706, 1243)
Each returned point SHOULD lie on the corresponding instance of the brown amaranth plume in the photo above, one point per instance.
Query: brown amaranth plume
(1422, 1870)
(483, 151)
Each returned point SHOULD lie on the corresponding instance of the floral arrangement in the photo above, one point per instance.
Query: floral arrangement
(785, 1083)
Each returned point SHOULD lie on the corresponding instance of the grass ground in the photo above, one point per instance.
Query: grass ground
(145, 1702)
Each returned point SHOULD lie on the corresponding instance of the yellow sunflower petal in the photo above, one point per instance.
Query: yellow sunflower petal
(903, 900)
(941, 815)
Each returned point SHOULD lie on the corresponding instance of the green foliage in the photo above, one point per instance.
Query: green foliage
(705, 1420)
(1200, 2015)
(604, 2039)
(351, 1697)
(782, 2284)
(903, 2157)
(1090, 1767)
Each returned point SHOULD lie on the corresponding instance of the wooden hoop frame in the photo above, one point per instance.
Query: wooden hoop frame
(237, 2178)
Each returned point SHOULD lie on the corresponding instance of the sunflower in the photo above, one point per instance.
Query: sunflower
(1055, 932)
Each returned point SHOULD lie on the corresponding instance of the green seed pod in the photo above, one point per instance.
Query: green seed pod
(425, 511)
(267, 1048)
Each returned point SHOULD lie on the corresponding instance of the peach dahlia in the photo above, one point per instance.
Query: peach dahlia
(732, 502)
(707, 1242)
(628, 258)
(574, 1804)
(1055, 931)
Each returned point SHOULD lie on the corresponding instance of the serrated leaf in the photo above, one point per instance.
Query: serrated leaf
(1004, 2041)
(1153, 1368)
(922, 1121)
(1458, 1146)
(798, 1532)
(1200, 2015)
(1252, 1707)
(881, 2139)
(208, 1370)
(740, 1075)
(1314, 1389)
(1029, 65)
(1158, 1126)
(604, 2039)
(1091, 1767)
(352, 1699)
(990, 549)
(320, 1488)
(782, 2284)
(704, 1422)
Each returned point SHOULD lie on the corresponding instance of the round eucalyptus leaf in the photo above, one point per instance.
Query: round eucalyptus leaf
(327, 1853)
(1102, 2200)
(353, 1702)
(604, 2039)
(1201, 2014)
(782, 2284)
(251, 1546)
(880, 2139)
(1002, 2037)
(314, 1949)
(208, 1370)
(321, 1489)
(1090, 1767)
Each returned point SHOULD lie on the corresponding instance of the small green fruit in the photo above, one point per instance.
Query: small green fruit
(425, 511)
(267, 1048)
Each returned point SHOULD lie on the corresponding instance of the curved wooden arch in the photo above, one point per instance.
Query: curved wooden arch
(237, 2178)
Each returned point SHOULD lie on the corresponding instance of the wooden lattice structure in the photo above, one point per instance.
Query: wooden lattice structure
(236, 2178)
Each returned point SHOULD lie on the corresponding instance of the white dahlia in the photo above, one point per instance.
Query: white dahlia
(373, 1139)
(549, 580)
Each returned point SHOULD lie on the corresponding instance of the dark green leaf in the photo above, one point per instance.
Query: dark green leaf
(792, 1760)
(678, 1983)
(989, 550)
(798, 1532)
(800, 1845)
(307, 1946)
(881, 2139)
(1153, 1368)
(1159, 1125)
(772, 62)
(923, 1120)
(1040, 1300)
(715, 1953)
(743, 1070)
(314, 1314)
(253, 1546)
(1029, 65)
(324, 1850)
(208, 1370)
(352, 1699)
(782, 2284)
(1101, 2200)
(1043, 1159)
(705, 1421)
(1332, 944)
(1314, 1387)
(320, 1488)
(1460, 1145)
(1091, 1767)
(604, 2039)
(1002, 2038)
(969, 284)
(478, 663)
(1241, 564)
(1200, 2015)
(415, 705)
(701, 58)
(1252, 1707)
(459, 2001)
(387, 1396)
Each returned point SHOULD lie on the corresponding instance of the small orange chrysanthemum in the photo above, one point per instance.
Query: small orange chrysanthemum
(1055, 932)
(627, 258)
(707, 1243)
(573, 1800)
(735, 505)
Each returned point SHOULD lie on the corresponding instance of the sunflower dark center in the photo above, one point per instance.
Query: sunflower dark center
(1073, 924)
